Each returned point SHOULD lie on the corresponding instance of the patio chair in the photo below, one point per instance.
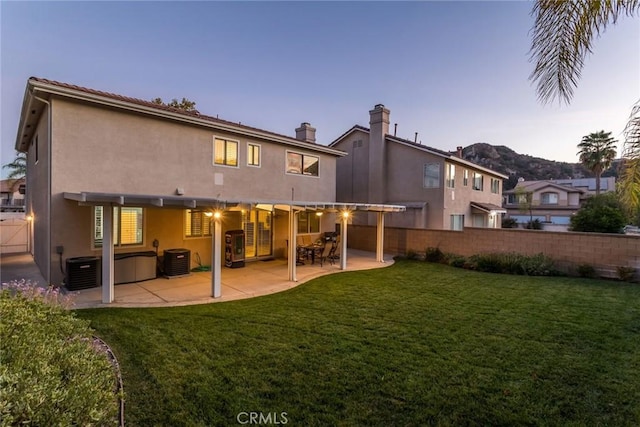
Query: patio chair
(325, 255)
(301, 253)
(335, 246)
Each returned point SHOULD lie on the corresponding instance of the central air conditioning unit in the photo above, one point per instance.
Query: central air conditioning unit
(83, 273)
(177, 262)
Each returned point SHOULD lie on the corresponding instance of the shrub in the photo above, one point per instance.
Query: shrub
(455, 260)
(433, 255)
(509, 223)
(534, 225)
(50, 374)
(539, 265)
(626, 274)
(412, 254)
(600, 214)
(586, 270)
(513, 263)
(489, 263)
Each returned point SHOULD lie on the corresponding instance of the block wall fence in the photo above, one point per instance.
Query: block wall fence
(605, 252)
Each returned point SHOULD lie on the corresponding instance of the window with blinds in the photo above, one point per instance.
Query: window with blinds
(225, 152)
(128, 224)
(196, 224)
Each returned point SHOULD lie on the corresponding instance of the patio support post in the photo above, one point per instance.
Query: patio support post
(107, 254)
(216, 255)
(380, 238)
(343, 240)
(291, 257)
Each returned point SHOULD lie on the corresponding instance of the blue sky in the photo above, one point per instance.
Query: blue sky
(455, 72)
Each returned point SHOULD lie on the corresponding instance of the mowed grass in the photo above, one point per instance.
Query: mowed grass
(412, 344)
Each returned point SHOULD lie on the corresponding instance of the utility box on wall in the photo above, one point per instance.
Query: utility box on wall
(234, 249)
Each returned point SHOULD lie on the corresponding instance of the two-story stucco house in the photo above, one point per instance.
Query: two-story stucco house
(108, 174)
(12, 195)
(546, 201)
(440, 190)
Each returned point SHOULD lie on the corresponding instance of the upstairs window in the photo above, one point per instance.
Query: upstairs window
(302, 164)
(196, 224)
(495, 186)
(431, 177)
(518, 198)
(478, 181)
(127, 226)
(225, 152)
(549, 198)
(465, 178)
(451, 175)
(253, 155)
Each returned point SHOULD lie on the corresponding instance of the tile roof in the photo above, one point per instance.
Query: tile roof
(10, 185)
(150, 104)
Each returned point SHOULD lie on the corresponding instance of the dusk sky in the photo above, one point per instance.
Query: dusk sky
(455, 72)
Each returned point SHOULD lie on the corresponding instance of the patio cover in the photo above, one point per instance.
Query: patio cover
(488, 208)
(182, 202)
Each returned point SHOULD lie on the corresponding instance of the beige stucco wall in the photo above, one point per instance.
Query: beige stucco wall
(104, 150)
(404, 178)
(352, 170)
(37, 202)
(457, 199)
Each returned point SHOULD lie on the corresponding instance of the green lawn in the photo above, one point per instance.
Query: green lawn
(412, 344)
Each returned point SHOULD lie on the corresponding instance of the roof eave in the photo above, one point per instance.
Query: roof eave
(129, 106)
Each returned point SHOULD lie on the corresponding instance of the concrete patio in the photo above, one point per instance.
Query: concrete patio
(255, 279)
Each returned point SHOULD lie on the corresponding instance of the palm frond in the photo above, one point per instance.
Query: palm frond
(563, 35)
(629, 183)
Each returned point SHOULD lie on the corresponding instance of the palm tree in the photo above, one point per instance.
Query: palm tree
(597, 151)
(629, 185)
(18, 168)
(563, 35)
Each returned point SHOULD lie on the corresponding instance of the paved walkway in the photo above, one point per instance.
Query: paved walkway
(256, 279)
(18, 267)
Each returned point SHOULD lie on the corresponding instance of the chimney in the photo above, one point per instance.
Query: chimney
(306, 133)
(379, 119)
(379, 128)
(459, 149)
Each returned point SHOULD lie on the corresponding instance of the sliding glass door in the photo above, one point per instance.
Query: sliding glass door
(258, 231)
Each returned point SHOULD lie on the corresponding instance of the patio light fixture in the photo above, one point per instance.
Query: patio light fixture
(217, 214)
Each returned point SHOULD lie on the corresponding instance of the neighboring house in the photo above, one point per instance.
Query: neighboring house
(439, 190)
(110, 174)
(12, 195)
(588, 185)
(550, 203)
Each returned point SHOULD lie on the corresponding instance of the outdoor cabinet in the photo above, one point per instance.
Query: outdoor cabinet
(134, 267)
(234, 248)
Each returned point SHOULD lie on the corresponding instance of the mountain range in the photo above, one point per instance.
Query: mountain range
(506, 161)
